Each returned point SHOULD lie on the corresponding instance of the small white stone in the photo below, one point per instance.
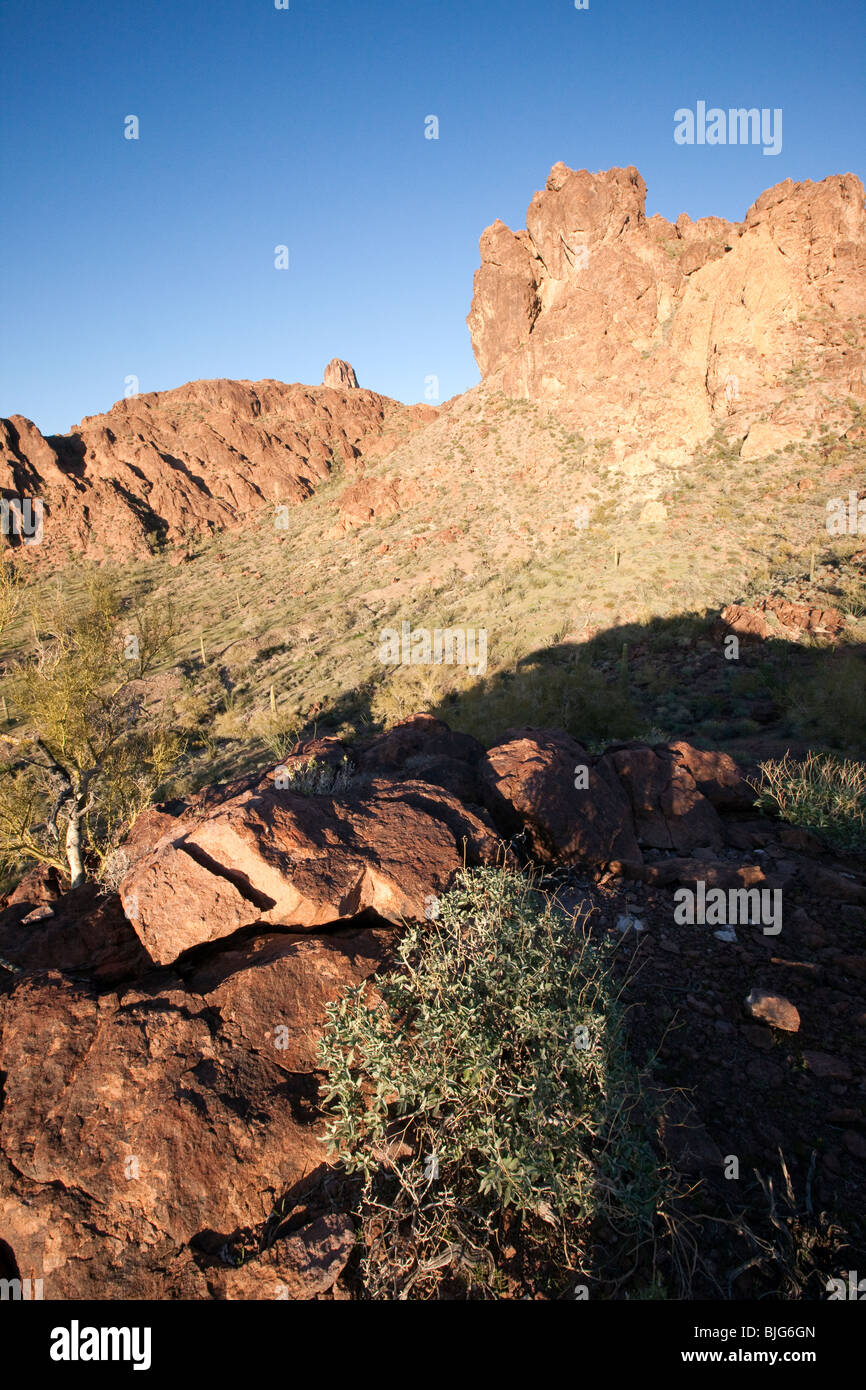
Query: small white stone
(626, 922)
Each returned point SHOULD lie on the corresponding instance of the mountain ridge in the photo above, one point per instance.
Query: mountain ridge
(645, 335)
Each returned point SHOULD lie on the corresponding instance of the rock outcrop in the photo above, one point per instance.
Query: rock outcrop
(571, 807)
(211, 454)
(653, 333)
(276, 857)
(340, 375)
(167, 1115)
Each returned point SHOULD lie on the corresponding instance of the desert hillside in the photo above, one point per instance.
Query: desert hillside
(360, 764)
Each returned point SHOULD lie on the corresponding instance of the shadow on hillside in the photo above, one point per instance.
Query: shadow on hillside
(669, 678)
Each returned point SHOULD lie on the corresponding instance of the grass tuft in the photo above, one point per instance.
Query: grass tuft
(823, 793)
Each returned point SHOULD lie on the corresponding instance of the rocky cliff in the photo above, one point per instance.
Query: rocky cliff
(653, 333)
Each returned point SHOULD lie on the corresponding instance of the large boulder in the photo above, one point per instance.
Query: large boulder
(669, 812)
(140, 1129)
(421, 736)
(533, 782)
(279, 858)
(716, 776)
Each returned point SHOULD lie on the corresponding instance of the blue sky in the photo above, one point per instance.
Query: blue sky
(304, 127)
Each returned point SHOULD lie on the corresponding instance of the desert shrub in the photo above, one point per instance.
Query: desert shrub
(853, 599)
(279, 729)
(113, 869)
(823, 793)
(10, 593)
(408, 690)
(487, 1081)
(826, 704)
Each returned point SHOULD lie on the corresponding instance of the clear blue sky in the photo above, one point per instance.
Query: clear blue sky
(305, 127)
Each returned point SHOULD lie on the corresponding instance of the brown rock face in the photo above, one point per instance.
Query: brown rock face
(207, 455)
(372, 498)
(774, 617)
(647, 330)
(529, 784)
(600, 810)
(716, 776)
(669, 811)
(341, 375)
(297, 1267)
(157, 1118)
(275, 857)
(83, 931)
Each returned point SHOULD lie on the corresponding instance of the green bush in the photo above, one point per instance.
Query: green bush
(826, 704)
(486, 1080)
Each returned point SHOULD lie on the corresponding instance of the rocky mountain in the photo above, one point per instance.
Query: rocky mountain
(645, 334)
(169, 464)
(654, 333)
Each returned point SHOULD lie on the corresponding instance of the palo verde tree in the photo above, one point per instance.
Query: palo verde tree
(83, 755)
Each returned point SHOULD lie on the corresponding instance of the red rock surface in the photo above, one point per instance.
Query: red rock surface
(774, 617)
(669, 811)
(207, 455)
(160, 1116)
(528, 784)
(277, 857)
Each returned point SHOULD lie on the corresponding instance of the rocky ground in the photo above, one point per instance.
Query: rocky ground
(160, 1125)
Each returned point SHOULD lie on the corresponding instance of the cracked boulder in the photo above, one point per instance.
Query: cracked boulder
(668, 809)
(276, 857)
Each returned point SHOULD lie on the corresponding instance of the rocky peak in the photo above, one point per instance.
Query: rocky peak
(340, 375)
(204, 456)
